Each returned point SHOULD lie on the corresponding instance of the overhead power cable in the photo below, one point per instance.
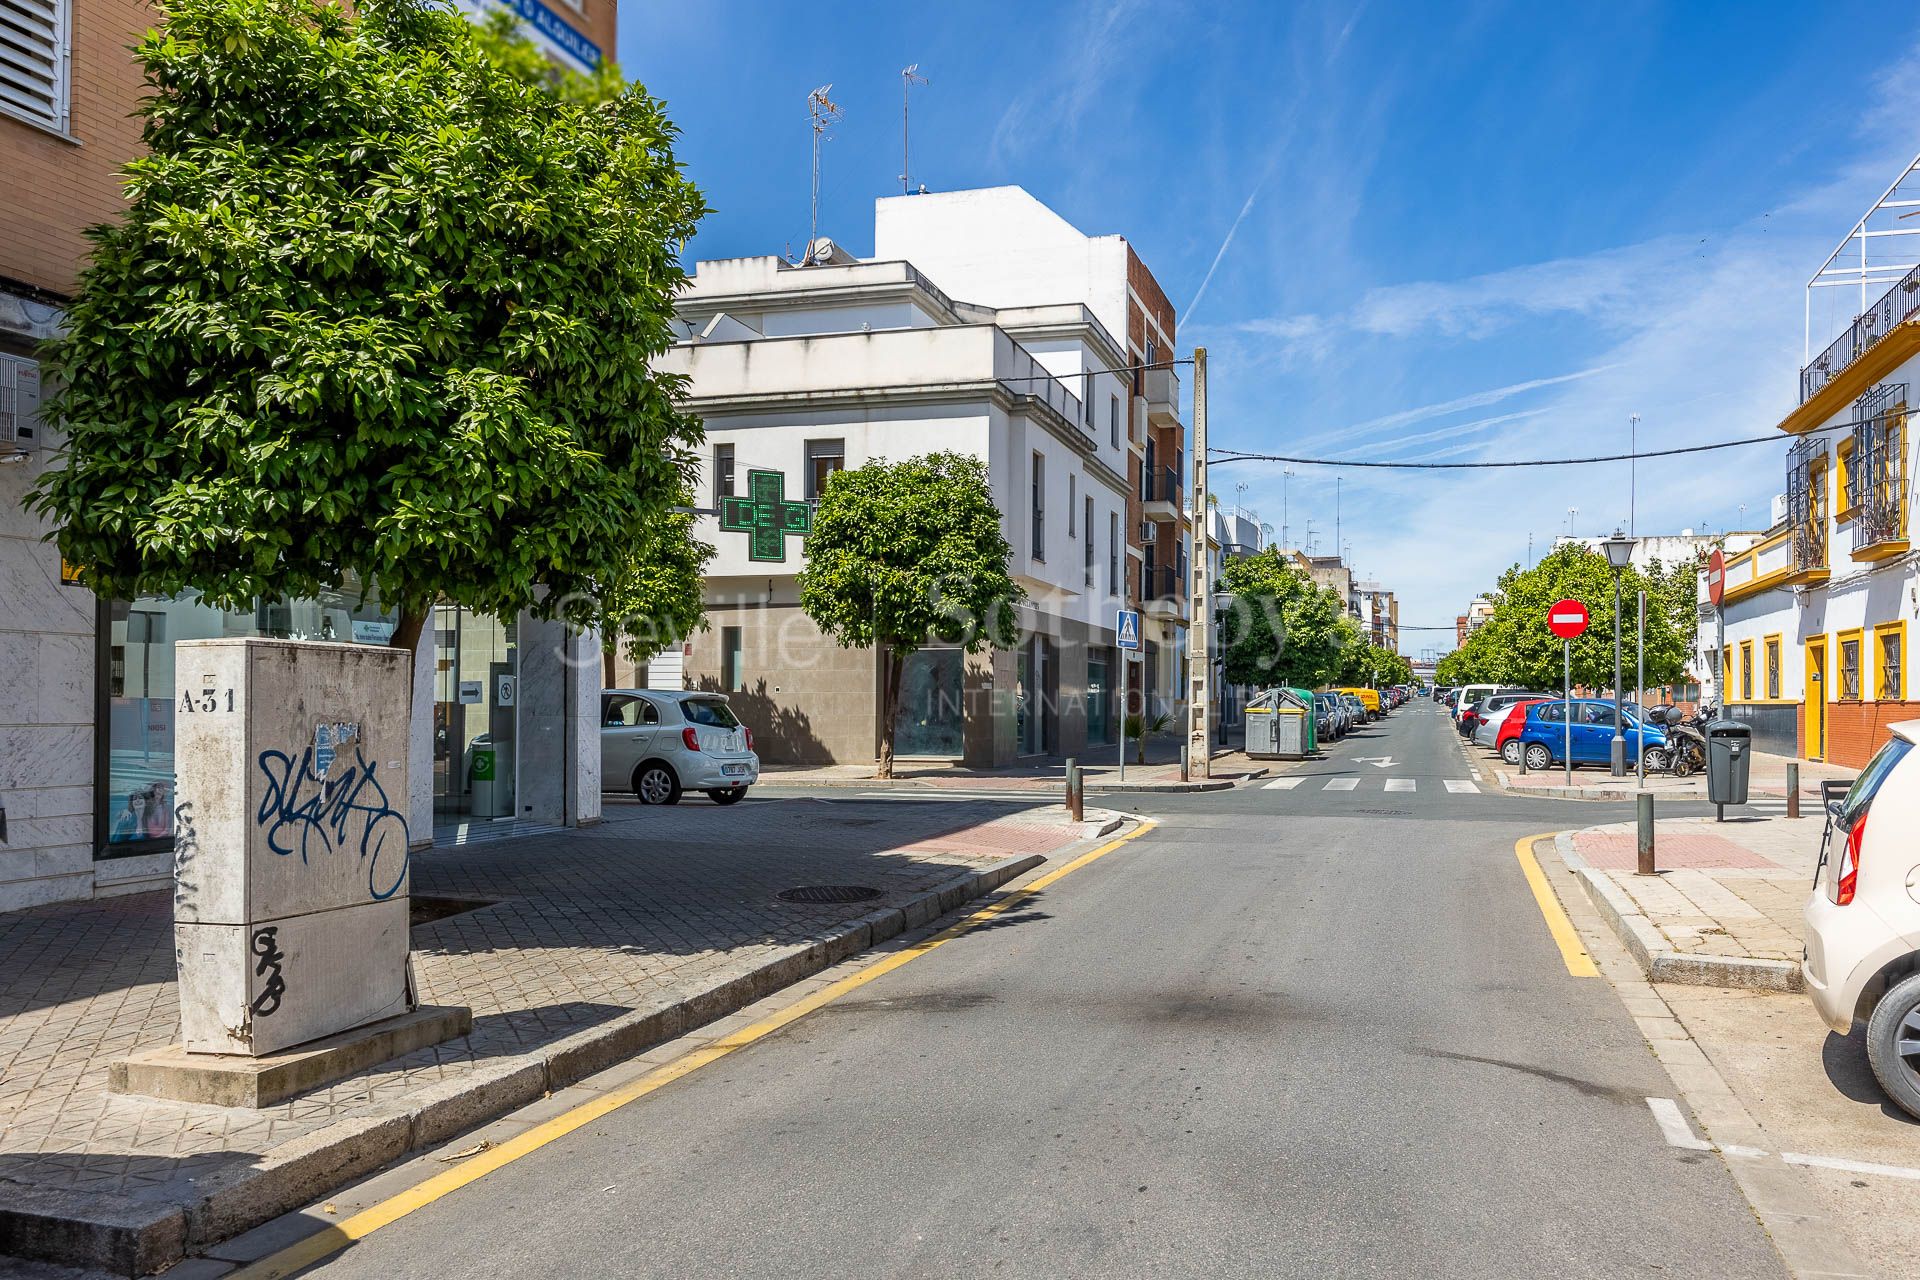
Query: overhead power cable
(1093, 373)
(1235, 455)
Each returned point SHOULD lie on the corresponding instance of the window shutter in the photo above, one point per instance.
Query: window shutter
(33, 60)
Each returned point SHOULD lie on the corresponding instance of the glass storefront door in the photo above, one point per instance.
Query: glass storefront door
(930, 720)
(1099, 700)
(476, 679)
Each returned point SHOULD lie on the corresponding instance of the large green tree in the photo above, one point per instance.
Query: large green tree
(658, 597)
(906, 551)
(1279, 629)
(381, 307)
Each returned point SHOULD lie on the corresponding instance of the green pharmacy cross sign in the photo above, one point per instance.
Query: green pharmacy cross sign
(767, 514)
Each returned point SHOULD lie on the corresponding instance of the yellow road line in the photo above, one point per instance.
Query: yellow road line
(1578, 962)
(359, 1226)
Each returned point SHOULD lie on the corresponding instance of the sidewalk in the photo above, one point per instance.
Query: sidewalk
(1767, 778)
(1724, 908)
(1101, 770)
(573, 950)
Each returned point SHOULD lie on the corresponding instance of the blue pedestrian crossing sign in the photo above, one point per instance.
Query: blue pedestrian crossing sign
(1127, 627)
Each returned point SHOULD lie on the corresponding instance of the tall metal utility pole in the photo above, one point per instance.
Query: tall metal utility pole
(909, 77)
(1286, 474)
(1633, 475)
(1200, 595)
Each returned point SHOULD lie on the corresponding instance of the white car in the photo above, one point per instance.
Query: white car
(1863, 917)
(658, 743)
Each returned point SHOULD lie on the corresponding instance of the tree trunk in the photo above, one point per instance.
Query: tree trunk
(606, 670)
(889, 703)
(407, 632)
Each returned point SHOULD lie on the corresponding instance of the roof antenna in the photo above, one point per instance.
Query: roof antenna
(825, 113)
(909, 77)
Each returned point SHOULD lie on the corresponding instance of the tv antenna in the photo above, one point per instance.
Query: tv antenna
(909, 77)
(824, 113)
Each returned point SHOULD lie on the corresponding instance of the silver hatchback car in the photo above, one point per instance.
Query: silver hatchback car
(658, 743)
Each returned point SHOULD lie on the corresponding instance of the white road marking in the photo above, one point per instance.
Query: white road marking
(1400, 784)
(1666, 1114)
(1851, 1166)
(1341, 784)
(1283, 784)
(1461, 787)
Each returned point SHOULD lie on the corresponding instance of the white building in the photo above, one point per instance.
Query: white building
(1819, 609)
(800, 371)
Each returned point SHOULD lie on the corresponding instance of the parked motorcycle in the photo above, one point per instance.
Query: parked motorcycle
(1686, 738)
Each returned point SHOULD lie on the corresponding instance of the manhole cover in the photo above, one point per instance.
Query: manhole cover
(829, 893)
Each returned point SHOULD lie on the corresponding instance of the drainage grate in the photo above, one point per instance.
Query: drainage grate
(1388, 813)
(829, 893)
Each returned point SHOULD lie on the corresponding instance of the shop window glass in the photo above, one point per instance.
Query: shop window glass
(931, 719)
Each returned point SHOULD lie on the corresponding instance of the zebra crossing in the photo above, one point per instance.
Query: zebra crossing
(1452, 786)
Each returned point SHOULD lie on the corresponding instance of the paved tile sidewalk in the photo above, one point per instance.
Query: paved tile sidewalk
(1767, 778)
(1102, 771)
(583, 927)
(1724, 890)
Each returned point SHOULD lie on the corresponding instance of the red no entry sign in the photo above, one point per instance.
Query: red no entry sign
(1716, 576)
(1567, 619)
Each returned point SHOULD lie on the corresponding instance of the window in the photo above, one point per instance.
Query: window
(722, 472)
(1089, 550)
(824, 457)
(1113, 553)
(1746, 671)
(1599, 713)
(33, 60)
(1553, 712)
(1850, 667)
(1773, 668)
(1892, 642)
(1843, 480)
(733, 676)
(1039, 507)
(709, 713)
(1073, 489)
(1113, 421)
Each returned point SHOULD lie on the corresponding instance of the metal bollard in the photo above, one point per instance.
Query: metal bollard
(1076, 793)
(1183, 763)
(1523, 757)
(1073, 766)
(1793, 788)
(1645, 804)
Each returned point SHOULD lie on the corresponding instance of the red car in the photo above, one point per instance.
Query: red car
(1508, 742)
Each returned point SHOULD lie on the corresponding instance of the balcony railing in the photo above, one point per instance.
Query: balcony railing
(1160, 484)
(1806, 504)
(1868, 328)
(1877, 473)
(1159, 582)
(1161, 387)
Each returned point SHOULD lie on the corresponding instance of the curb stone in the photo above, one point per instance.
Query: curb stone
(131, 1237)
(1660, 962)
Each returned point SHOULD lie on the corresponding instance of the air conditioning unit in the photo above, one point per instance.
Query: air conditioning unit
(19, 400)
(1149, 531)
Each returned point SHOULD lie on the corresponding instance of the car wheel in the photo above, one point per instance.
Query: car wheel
(1510, 751)
(1539, 759)
(655, 783)
(727, 795)
(1656, 759)
(1893, 1044)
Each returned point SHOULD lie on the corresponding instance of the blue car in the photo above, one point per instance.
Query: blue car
(1543, 739)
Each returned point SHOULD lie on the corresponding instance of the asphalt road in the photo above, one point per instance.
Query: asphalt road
(1290, 1032)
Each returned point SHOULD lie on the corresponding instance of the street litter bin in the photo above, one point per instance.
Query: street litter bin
(1729, 756)
(1259, 713)
(1277, 726)
(1305, 698)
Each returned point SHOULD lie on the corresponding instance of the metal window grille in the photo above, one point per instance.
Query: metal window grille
(34, 38)
(1876, 477)
(1806, 512)
(1850, 671)
(1890, 674)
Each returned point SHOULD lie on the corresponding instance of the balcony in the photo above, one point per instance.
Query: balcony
(1161, 387)
(1895, 305)
(1160, 493)
(1806, 514)
(1160, 593)
(1877, 476)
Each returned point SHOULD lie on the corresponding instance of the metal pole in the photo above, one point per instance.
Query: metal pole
(1793, 788)
(1645, 800)
(1619, 739)
(1126, 660)
(1199, 755)
(1073, 788)
(1639, 691)
(1566, 708)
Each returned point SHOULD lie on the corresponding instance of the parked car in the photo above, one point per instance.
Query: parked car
(1863, 917)
(1468, 719)
(1491, 714)
(1468, 695)
(1330, 716)
(659, 743)
(1506, 740)
(1544, 736)
(1356, 711)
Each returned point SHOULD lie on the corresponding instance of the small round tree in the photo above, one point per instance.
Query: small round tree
(904, 551)
(1280, 629)
(381, 308)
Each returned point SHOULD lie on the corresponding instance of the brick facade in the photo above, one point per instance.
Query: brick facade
(1855, 730)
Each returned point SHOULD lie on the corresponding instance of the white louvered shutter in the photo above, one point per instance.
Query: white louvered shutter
(33, 60)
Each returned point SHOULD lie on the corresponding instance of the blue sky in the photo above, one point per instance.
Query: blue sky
(1474, 230)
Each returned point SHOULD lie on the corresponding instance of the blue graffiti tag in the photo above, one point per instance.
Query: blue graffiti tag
(308, 813)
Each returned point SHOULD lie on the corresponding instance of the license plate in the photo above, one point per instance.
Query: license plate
(733, 770)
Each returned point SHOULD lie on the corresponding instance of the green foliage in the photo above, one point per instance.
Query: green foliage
(1280, 629)
(380, 306)
(1139, 728)
(1514, 646)
(904, 551)
(659, 597)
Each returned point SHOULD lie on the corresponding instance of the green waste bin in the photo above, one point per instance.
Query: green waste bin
(1305, 698)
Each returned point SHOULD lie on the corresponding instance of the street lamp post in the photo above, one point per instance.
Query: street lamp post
(1619, 549)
